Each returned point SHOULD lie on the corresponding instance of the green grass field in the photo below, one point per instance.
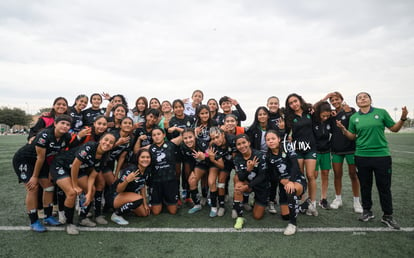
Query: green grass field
(334, 233)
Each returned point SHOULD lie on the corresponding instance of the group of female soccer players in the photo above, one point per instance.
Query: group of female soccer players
(135, 158)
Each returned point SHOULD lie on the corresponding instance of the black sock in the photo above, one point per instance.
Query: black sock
(213, 197)
(98, 203)
(221, 200)
(48, 210)
(238, 206)
(194, 196)
(33, 216)
(293, 204)
(84, 212)
(204, 191)
(61, 199)
(128, 206)
(69, 214)
(246, 198)
(40, 198)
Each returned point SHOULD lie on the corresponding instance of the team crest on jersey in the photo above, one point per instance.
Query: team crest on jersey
(61, 171)
(328, 127)
(284, 155)
(165, 146)
(23, 176)
(41, 141)
(308, 116)
(357, 120)
(83, 153)
(188, 124)
(343, 117)
(376, 116)
(295, 120)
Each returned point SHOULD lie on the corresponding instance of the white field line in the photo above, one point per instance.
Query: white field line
(409, 152)
(213, 230)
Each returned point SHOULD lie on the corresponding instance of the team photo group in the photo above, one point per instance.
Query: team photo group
(113, 158)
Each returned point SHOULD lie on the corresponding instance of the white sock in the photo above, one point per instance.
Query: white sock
(314, 203)
(338, 197)
(356, 199)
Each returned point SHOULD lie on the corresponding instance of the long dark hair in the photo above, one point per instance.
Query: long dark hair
(290, 113)
(198, 110)
(256, 122)
(321, 106)
(53, 112)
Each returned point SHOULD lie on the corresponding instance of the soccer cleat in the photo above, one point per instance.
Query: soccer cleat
(324, 204)
(336, 204)
(62, 217)
(221, 212)
(119, 220)
(390, 222)
(195, 209)
(101, 220)
(290, 230)
(72, 229)
(52, 221)
(87, 222)
(247, 207)
(38, 227)
(233, 214)
(239, 223)
(271, 208)
(357, 207)
(213, 213)
(366, 216)
(312, 211)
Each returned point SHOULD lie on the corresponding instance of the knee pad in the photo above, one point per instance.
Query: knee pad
(221, 185)
(49, 189)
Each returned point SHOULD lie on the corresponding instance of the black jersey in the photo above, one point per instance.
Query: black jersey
(284, 165)
(226, 152)
(322, 133)
(187, 153)
(302, 133)
(163, 162)
(134, 186)
(143, 131)
(45, 139)
(116, 151)
(85, 153)
(90, 114)
(204, 134)
(340, 144)
(258, 177)
(186, 122)
(77, 120)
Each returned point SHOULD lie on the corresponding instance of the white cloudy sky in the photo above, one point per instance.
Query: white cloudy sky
(248, 50)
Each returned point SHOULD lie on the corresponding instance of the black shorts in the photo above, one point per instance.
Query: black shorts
(58, 173)
(24, 169)
(164, 192)
(261, 195)
(109, 167)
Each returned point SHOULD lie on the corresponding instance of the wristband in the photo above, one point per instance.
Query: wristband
(403, 119)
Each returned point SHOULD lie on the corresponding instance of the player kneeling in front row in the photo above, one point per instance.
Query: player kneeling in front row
(250, 176)
(284, 163)
(129, 192)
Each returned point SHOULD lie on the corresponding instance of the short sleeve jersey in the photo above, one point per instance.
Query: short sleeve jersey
(163, 162)
(187, 153)
(85, 153)
(369, 130)
(134, 186)
(258, 176)
(90, 114)
(115, 152)
(77, 120)
(285, 166)
(226, 152)
(302, 133)
(340, 144)
(186, 122)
